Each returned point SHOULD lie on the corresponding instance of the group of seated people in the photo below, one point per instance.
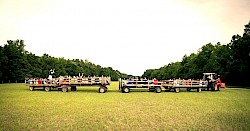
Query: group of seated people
(41, 81)
(62, 79)
(142, 81)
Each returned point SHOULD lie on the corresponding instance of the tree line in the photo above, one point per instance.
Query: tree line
(230, 61)
(17, 64)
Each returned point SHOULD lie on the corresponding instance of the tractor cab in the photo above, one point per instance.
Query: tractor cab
(210, 76)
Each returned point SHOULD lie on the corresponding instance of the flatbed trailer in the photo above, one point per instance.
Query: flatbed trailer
(66, 83)
(126, 85)
(187, 84)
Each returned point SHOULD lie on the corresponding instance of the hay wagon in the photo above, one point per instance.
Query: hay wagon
(176, 85)
(152, 85)
(66, 83)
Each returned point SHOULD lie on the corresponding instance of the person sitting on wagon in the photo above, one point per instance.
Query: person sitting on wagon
(155, 81)
(130, 81)
(218, 81)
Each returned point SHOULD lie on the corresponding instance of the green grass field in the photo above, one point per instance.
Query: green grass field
(86, 109)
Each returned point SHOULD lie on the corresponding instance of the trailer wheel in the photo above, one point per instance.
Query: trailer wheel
(198, 89)
(73, 88)
(31, 88)
(158, 89)
(177, 90)
(64, 89)
(126, 90)
(102, 89)
(47, 88)
(188, 89)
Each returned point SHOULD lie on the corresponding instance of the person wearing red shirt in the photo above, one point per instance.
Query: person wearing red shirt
(155, 81)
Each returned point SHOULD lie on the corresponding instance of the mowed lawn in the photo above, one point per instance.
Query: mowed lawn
(86, 109)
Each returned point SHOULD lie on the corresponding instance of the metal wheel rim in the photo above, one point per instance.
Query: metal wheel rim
(31, 88)
(46, 88)
(64, 89)
(102, 90)
(126, 90)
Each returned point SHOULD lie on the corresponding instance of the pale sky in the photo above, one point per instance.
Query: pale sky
(127, 35)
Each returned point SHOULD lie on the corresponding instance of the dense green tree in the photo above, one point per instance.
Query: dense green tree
(18, 64)
(231, 61)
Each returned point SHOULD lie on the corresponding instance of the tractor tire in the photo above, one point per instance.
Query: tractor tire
(102, 89)
(158, 90)
(177, 90)
(47, 88)
(31, 88)
(126, 90)
(212, 86)
(198, 89)
(64, 89)
(188, 89)
(218, 88)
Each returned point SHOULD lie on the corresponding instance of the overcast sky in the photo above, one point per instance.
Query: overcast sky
(127, 35)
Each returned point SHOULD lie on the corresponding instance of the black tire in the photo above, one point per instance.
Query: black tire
(198, 89)
(218, 88)
(102, 89)
(106, 89)
(47, 88)
(213, 86)
(73, 88)
(188, 89)
(126, 90)
(177, 90)
(31, 88)
(64, 89)
(158, 90)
